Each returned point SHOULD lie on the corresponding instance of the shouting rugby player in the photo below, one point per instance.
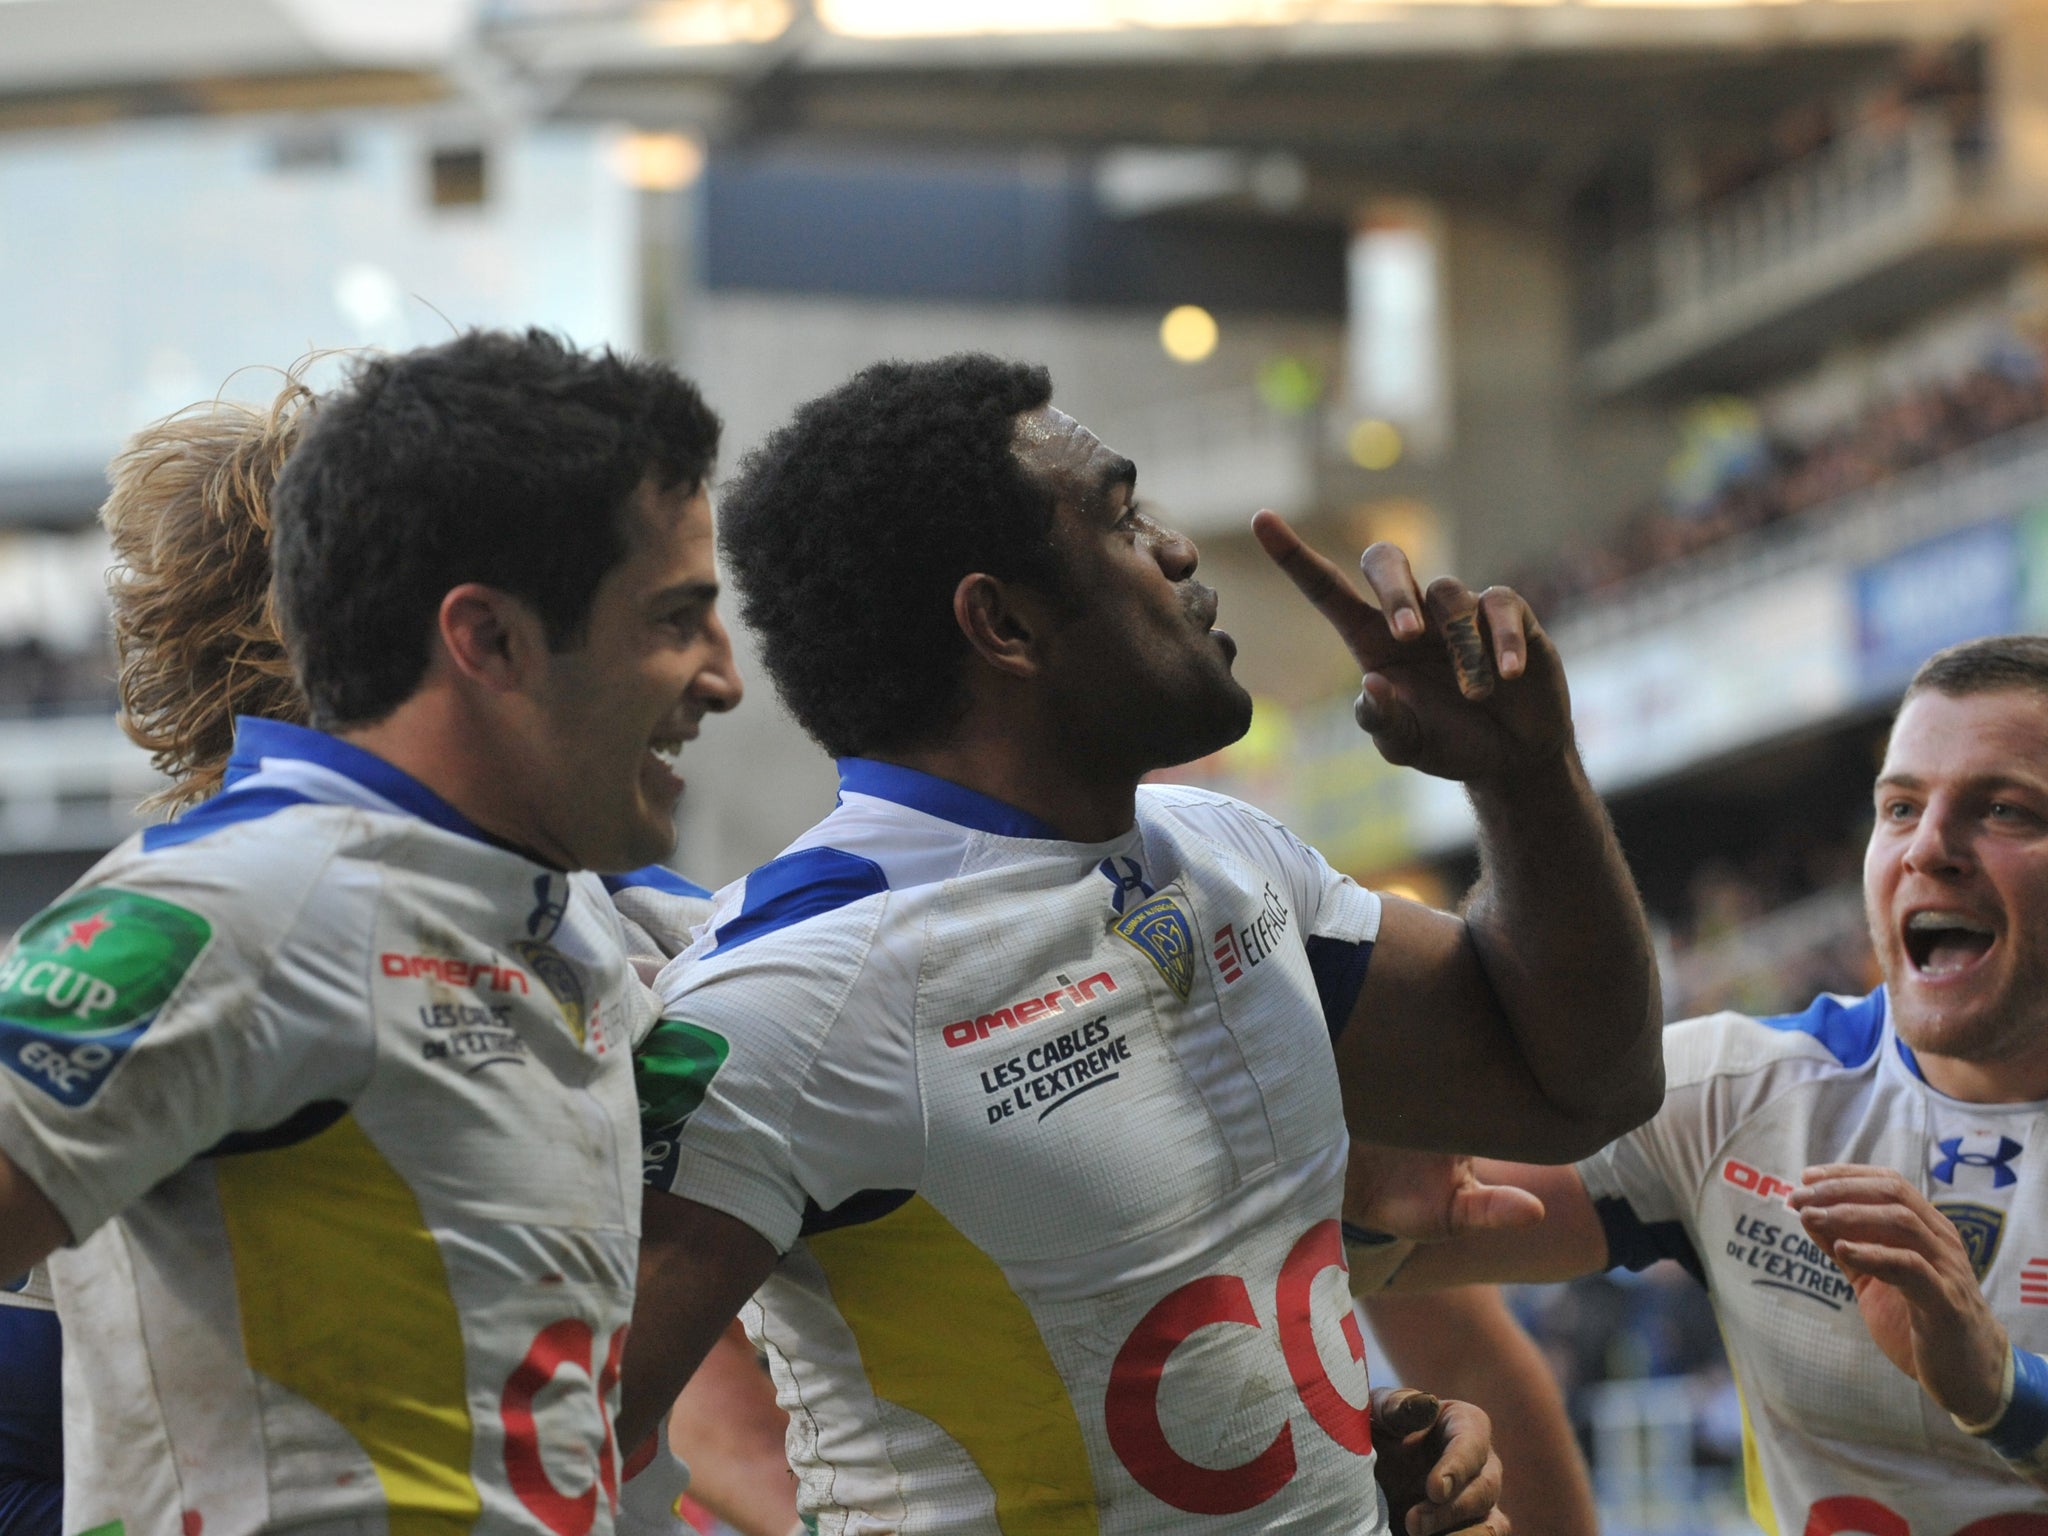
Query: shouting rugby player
(1863, 1187)
(1021, 1093)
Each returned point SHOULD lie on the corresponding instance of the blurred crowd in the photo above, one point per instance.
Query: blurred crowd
(1947, 78)
(1743, 479)
(1768, 932)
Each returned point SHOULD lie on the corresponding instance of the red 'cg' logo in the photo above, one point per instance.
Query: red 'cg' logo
(1132, 1404)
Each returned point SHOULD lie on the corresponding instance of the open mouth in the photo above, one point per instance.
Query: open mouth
(666, 755)
(1943, 943)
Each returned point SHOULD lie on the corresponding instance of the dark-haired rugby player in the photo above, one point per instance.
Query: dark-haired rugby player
(1026, 1092)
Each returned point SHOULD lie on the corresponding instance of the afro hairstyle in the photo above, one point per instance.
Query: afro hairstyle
(849, 529)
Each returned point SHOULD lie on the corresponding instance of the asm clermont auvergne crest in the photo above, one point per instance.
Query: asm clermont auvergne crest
(1159, 929)
(1979, 1226)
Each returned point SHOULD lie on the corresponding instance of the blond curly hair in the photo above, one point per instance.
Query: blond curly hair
(194, 623)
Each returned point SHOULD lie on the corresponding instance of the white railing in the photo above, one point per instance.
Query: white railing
(1798, 234)
(1644, 1433)
(69, 784)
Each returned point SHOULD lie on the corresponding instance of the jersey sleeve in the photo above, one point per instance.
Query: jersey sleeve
(781, 1083)
(1644, 1186)
(1340, 919)
(135, 1036)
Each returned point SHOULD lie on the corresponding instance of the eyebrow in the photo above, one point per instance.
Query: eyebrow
(1121, 471)
(705, 592)
(1979, 781)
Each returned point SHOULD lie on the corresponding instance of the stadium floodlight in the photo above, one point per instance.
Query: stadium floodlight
(1188, 333)
(713, 23)
(969, 18)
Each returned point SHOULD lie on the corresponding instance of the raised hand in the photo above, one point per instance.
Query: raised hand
(1436, 1464)
(1915, 1286)
(1459, 684)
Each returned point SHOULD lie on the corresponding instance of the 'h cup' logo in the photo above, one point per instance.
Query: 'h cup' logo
(83, 982)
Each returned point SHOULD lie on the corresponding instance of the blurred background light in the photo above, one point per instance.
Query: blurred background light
(1373, 443)
(658, 162)
(1290, 385)
(713, 23)
(1188, 333)
(958, 18)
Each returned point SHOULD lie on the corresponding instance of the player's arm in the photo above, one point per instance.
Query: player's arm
(30, 1227)
(1439, 1247)
(1465, 1343)
(729, 1429)
(697, 1266)
(87, 1128)
(1920, 1298)
(1528, 1027)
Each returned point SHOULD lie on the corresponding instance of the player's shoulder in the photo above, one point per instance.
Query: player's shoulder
(1197, 806)
(659, 911)
(1222, 819)
(1833, 1036)
(836, 881)
(793, 935)
(252, 881)
(810, 894)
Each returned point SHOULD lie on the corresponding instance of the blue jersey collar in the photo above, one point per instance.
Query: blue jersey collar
(941, 798)
(257, 739)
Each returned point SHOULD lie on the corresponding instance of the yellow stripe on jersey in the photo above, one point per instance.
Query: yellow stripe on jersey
(938, 1356)
(345, 1301)
(1753, 1470)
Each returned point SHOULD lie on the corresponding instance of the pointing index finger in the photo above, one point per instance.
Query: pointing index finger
(1322, 582)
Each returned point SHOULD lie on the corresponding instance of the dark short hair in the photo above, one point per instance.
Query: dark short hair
(502, 458)
(1985, 666)
(848, 530)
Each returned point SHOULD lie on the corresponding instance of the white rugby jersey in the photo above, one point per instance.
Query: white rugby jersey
(1837, 1439)
(1049, 1136)
(336, 1093)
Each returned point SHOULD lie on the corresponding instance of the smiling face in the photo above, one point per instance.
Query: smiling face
(617, 708)
(1955, 885)
(1137, 672)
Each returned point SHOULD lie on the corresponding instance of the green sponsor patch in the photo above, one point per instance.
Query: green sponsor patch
(83, 981)
(673, 1070)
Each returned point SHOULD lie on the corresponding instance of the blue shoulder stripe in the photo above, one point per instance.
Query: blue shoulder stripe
(223, 810)
(657, 877)
(807, 883)
(1850, 1029)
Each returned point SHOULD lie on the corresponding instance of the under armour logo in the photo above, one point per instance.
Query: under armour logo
(1131, 877)
(1953, 1157)
(549, 909)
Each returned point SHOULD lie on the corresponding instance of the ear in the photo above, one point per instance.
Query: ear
(490, 636)
(1003, 621)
